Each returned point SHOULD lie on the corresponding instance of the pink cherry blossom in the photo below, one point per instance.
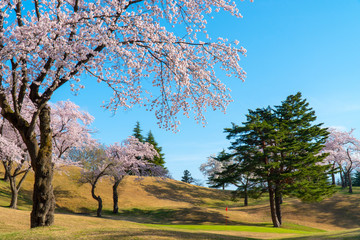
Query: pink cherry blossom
(344, 153)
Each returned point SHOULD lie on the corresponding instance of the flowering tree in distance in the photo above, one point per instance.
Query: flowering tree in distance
(213, 168)
(121, 43)
(344, 151)
(71, 129)
(14, 159)
(131, 158)
(95, 165)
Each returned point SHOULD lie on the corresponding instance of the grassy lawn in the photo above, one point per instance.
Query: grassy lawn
(152, 209)
(14, 225)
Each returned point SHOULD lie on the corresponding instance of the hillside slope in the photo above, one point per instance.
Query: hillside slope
(152, 200)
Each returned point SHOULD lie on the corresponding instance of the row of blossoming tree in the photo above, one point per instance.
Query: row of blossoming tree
(130, 157)
(344, 155)
(157, 54)
(74, 145)
(71, 129)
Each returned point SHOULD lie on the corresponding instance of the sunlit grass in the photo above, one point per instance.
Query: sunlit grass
(243, 228)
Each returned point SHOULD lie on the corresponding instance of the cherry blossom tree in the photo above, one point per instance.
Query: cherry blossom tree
(14, 159)
(95, 165)
(213, 167)
(120, 43)
(131, 158)
(344, 152)
(71, 129)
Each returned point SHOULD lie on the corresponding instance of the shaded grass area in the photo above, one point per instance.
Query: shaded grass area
(24, 198)
(195, 215)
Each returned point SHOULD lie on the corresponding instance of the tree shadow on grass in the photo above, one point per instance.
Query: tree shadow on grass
(24, 197)
(161, 234)
(182, 192)
(178, 216)
(338, 210)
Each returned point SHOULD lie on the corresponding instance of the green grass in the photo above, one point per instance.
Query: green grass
(257, 229)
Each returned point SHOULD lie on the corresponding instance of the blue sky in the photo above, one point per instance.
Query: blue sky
(293, 45)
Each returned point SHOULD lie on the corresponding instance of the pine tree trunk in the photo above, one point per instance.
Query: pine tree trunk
(274, 218)
(43, 196)
(246, 197)
(115, 196)
(14, 193)
(278, 202)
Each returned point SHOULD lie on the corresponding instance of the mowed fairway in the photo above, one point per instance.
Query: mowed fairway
(158, 209)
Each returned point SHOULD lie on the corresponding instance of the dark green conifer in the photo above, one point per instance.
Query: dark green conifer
(187, 177)
(280, 146)
(137, 132)
(158, 160)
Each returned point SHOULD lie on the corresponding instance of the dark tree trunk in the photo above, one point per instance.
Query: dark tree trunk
(278, 202)
(333, 179)
(346, 179)
(43, 197)
(342, 179)
(274, 218)
(16, 188)
(6, 173)
(97, 198)
(349, 182)
(333, 175)
(6, 177)
(115, 196)
(246, 197)
(98, 212)
(14, 192)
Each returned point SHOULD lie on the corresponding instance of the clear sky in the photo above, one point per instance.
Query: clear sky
(311, 46)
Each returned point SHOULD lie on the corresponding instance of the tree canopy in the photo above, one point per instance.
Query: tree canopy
(281, 147)
(122, 44)
(187, 178)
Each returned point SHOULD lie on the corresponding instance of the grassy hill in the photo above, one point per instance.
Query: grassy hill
(167, 209)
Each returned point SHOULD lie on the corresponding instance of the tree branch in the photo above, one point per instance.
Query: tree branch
(37, 9)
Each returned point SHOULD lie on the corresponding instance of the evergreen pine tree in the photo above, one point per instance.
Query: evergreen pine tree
(158, 160)
(356, 180)
(137, 132)
(280, 147)
(187, 177)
